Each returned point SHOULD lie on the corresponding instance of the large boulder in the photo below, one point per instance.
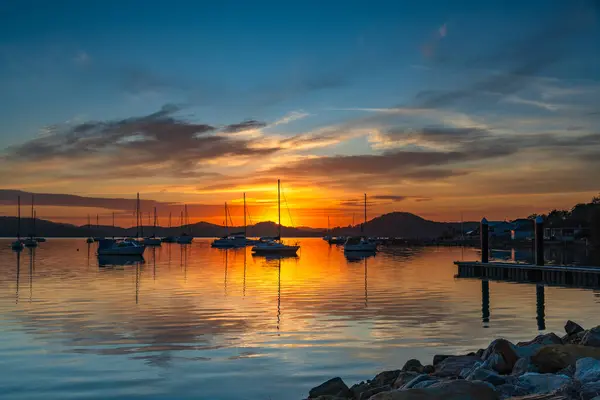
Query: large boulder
(510, 390)
(332, 387)
(416, 381)
(587, 370)
(572, 328)
(359, 388)
(446, 390)
(452, 366)
(590, 391)
(592, 337)
(438, 358)
(527, 349)
(413, 365)
(553, 358)
(506, 350)
(543, 383)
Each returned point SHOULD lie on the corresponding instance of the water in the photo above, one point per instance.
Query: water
(196, 322)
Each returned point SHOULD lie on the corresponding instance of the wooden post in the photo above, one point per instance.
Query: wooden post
(539, 241)
(485, 246)
(485, 301)
(540, 307)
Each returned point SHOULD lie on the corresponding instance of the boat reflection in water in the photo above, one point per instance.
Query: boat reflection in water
(108, 261)
(355, 256)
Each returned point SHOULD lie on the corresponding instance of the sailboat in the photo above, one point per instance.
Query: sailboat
(360, 243)
(276, 246)
(18, 244)
(185, 238)
(153, 240)
(89, 239)
(169, 239)
(126, 247)
(327, 237)
(30, 241)
(237, 239)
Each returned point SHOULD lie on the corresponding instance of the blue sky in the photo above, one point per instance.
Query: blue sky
(337, 68)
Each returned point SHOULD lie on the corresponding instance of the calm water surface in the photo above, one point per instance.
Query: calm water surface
(196, 322)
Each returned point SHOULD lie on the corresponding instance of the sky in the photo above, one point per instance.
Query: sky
(448, 110)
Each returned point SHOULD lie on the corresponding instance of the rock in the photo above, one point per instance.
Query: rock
(572, 328)
(505, 349)
(592, 337)
(496, 362)
(328, 397)
(521, 366)
(385, 378)
(485, 375)
(446, 390)
(413, 365)
(416, 380)
(424, 384)
(371, 392)
(569, 371)
(587, 370)
(438, 358)
(357, 389)
(333, 387)
(543, 383)
(403, 378)
(428, 369)
(589, 391)
(509, 390)
(553, 358)
(452, 366)
(527, 349)
(480, 352)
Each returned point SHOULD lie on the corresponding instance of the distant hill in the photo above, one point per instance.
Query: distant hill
(396, 224)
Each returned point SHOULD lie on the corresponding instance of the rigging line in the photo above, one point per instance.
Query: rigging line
(249, 216)
(229, 214)
(288, 208)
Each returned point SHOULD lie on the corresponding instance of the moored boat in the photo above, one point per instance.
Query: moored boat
(113, 247)
(276, 246)
(360, 243)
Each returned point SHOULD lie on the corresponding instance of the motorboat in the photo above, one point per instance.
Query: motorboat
(115, 247)
(230, 241)
(359, 243)
(276, 245)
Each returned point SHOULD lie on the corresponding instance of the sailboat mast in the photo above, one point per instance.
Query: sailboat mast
(154, 233)
(137, 216)
(18, 217)
(245, 215)
(32, 219)
(279, 206)
(97, 221)
(170, 219)
(226, 226)
(362, 227)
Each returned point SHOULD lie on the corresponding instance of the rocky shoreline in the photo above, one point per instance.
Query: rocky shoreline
(548, 367)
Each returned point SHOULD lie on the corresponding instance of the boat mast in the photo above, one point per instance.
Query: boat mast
(362, 228)
(18, 217)
(170, 219)
(154, 233)
(113, 224)
(97, 221)
(245, 215)
(279, 206)
(137, 216)
(32, 219)
(89, 225)
(226, 226)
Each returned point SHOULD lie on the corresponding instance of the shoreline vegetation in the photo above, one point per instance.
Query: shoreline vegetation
(547, 367)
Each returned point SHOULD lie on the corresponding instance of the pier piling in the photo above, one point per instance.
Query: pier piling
(539, 241)
(485, 244)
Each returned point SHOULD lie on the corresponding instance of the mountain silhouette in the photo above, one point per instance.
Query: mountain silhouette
(396, 224)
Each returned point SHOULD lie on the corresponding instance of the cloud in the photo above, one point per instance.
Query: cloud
(158, 142)
(390, 197)
(244, 126)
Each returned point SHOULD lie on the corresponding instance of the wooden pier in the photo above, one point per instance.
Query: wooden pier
(559, 275)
